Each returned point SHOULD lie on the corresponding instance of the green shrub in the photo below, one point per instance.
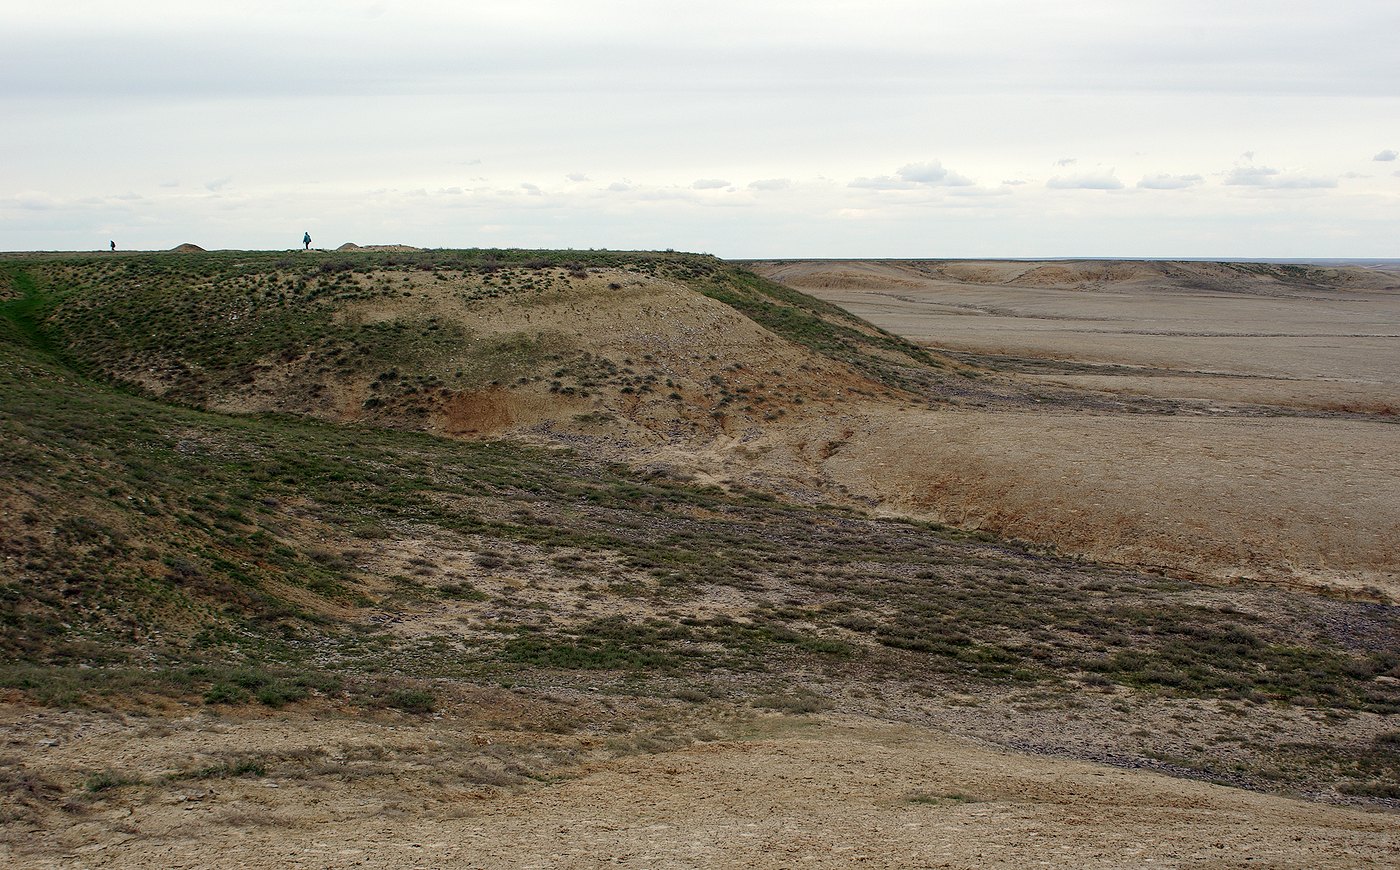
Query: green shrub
(106, 780)
(225, 693)
(412, 700)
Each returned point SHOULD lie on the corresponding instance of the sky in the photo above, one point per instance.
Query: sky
(762, 128)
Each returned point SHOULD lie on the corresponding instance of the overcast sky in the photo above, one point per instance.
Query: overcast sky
(762, 128)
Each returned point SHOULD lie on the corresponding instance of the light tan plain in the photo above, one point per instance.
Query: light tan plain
(1283, 462)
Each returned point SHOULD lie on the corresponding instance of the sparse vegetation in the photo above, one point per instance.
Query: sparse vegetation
(826, 329)
(166, 553)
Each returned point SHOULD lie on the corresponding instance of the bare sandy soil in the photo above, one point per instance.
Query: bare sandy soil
(1267, 446)
(766, 792)
(1309, 501)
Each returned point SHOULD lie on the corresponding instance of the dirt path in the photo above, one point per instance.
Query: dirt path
(833, 792)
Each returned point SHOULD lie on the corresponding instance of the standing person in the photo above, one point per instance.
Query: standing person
(306, 241)
(113, 244)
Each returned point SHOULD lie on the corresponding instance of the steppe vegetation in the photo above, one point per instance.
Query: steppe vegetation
(163, 559)
(208, 322)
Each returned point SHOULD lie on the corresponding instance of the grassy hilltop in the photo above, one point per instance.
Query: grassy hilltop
(404, 333)
(232, 480)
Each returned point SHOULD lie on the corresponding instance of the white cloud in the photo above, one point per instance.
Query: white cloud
(34, 200)
(1164, 181)
(1273, 179)
(37, 200)
(218, 183)
(708, 184)
(933, 174)
(1302, 182)
(914, 175)
(532, 189)
(1002, 90)
(1097, 180)
(1386, 156)
(1251, 176)
(770, 184)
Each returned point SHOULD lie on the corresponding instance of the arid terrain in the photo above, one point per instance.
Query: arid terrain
(763, 792)
(399, 558)
(1236, 421)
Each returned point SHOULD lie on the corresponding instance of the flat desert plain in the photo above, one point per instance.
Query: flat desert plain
(1233, 421)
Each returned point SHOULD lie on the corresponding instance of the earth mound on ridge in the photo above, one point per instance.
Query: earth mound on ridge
(392, 249)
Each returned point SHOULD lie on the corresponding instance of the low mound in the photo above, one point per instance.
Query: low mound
(187, 248)
(392, 249)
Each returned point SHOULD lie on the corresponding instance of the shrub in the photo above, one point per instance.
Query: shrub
(106, 780)
(412, 700)
(225, 693)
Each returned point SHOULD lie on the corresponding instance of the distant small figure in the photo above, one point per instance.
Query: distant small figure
(306, 241)
(113, 244)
